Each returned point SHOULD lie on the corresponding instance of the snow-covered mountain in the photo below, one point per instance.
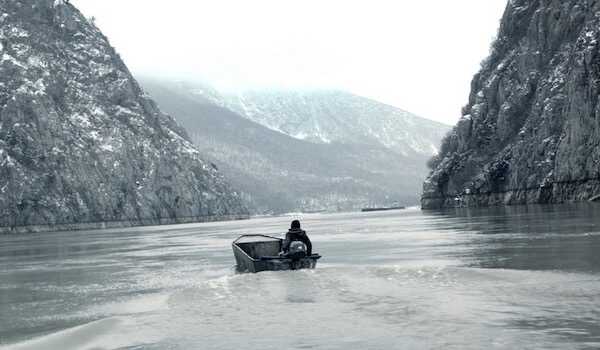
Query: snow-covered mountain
(80, 143)
(325, 116)
(277, 172)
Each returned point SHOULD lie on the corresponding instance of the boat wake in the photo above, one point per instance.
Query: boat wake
(374, 306)
(92, 335)
(340, 307)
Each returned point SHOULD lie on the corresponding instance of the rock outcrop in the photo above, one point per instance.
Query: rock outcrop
(531, 130)
(80, 143)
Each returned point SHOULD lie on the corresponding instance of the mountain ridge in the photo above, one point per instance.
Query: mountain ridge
(302, 175)
(310, 115)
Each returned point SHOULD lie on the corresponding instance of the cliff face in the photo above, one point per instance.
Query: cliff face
(79, 140)
(531, 130)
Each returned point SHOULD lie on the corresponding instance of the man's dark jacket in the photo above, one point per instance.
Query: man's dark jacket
(297, 235)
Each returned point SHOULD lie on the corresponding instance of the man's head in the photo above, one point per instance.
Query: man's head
(295, 225)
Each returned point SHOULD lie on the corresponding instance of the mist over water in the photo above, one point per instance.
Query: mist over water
(502, 278)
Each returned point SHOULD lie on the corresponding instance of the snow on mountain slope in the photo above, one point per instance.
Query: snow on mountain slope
(325, 116)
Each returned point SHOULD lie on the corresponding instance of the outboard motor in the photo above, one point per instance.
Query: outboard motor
(297, 250)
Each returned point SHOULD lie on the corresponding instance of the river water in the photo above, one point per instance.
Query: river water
(502, 278)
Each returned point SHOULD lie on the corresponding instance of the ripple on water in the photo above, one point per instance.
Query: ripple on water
(387, 281)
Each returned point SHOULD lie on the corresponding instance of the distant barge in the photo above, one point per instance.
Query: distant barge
(366, 210)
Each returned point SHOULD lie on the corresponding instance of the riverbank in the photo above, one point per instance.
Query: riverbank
(119, 224)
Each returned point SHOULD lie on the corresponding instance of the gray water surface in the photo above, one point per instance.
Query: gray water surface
(501, 278)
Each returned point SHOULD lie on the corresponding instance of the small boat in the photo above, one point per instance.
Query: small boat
(256, 253)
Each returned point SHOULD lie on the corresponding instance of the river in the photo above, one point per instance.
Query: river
(501, 278)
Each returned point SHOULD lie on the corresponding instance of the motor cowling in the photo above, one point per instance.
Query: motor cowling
(297, 250)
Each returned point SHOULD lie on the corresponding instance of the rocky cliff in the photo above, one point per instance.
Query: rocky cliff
(80, 142)
(531, 130)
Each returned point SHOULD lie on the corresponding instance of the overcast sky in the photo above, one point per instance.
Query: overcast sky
(417, 55)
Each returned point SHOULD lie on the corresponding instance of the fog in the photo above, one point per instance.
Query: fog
(417, 55)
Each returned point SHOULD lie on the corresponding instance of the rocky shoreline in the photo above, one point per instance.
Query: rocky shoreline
(556, 193)
(102, 225)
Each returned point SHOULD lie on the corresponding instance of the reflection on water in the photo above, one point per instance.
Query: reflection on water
(506, 278)
(562, 238)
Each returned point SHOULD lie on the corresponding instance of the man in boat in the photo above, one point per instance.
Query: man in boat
(296, 234)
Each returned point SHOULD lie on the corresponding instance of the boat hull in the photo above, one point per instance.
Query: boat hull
(261, 254)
